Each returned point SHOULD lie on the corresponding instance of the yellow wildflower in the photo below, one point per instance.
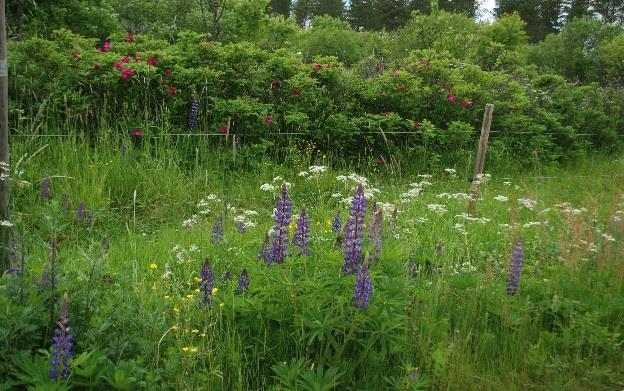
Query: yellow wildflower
(193, 350)
(214, 291)
(185, 349)
(176, 309)
(197, 279)
(221, 305)
(167, 297)
(153, 266)
(194, 331)
(189, 296)
(197, 290)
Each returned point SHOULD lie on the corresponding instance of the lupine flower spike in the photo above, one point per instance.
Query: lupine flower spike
(336, 223)
(217, 230)
(302, 235)
(243, 282)
(354, 233)
(80, 213)
(280, 229)
(192, 119)
(206, 281)
(62, 345)
(515, 268)
(363, 286)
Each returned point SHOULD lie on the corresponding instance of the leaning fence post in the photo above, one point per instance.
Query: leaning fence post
(480, 161)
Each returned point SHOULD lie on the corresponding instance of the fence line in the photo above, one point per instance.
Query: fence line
(158, 136)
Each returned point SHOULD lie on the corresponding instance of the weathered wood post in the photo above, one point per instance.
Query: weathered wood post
(480, 161)
(5, 230)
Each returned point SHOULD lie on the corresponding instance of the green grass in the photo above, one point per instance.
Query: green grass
(448, 326)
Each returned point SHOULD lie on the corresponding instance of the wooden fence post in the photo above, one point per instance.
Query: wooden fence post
(5, 171)
(480, 161)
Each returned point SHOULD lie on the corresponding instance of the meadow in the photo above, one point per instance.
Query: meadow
(155, 259)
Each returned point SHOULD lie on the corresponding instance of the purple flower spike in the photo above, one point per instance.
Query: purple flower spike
(217, 230)
(45, 189)
(302, 235)
(363, 287)
(206, 282)
(61, 347)
(336, 223)
(192, 119)
(80, 213)
(354, 233)
(376, 234)
(280, 229)
(515, 268)
(243, 282)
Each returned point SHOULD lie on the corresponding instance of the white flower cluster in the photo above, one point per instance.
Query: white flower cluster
(467, 217)
(204, 204)
(451, 171)
(414, 192)
(354, 178)
(190, 222)
(454, 196)
(184, 255)
(568, 209)
(313, 172)
(501, 198)
(437, 208)
(267, 187)
(527, 203)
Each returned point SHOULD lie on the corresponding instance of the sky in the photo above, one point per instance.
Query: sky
(487, 7)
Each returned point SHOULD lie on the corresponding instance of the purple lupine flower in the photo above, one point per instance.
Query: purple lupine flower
(243, 282)
(217, 230)
(377, 232)
(354, 233)
(227, 276)
(363, 287)
(280, 229)
(515, 268)
(45, 189)
(302, 234)
(240, 227)
(61, 348)
(192, 118)
(206, 282)
(336, 223)
(80, 213)
(265, 251)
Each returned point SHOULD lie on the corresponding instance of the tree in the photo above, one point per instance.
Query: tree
(280, 7)
(609, 11)
(362, 15)
(542, 17)
(333, 8)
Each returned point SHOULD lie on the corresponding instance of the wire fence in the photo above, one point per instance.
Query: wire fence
(381, 133)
